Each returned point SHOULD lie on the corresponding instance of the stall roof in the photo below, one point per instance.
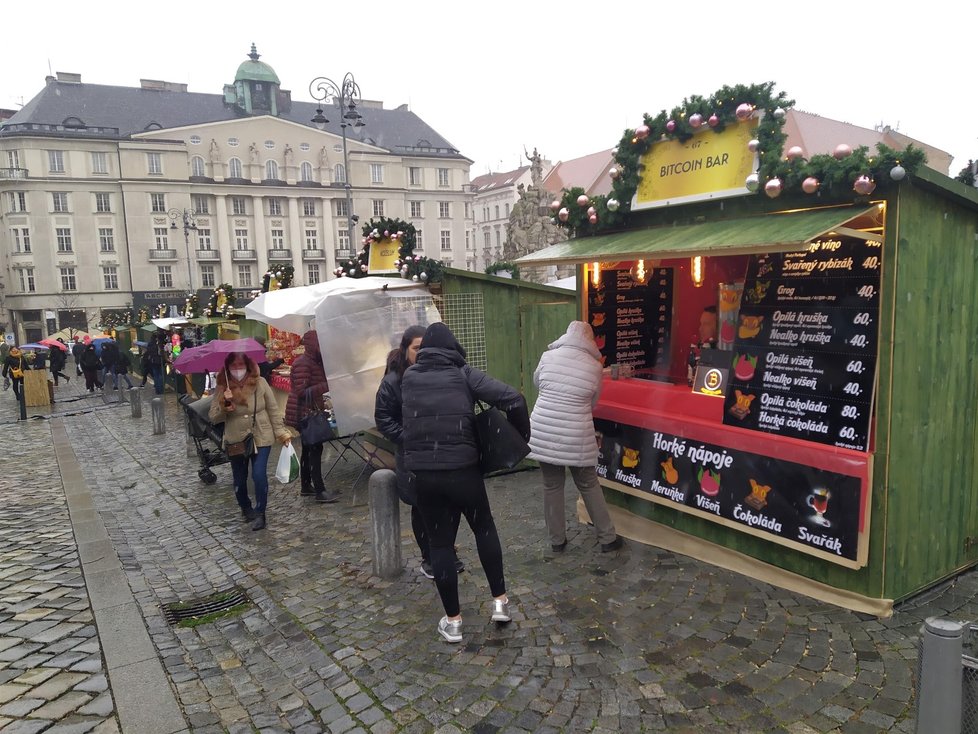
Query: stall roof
(777, 231)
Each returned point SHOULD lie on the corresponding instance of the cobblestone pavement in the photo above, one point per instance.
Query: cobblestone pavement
(640, 640)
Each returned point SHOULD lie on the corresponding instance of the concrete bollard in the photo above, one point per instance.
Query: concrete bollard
(939, 682)
(136, 402)
(159, 415)
(385, 524)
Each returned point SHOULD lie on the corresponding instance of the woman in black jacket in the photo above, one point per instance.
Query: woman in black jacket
(441, 451)
(90, 364)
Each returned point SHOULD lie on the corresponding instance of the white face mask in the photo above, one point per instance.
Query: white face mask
(239, 374)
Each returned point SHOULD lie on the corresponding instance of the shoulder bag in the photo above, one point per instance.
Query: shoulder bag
(246, 446)
(314, 427)
(501, 446)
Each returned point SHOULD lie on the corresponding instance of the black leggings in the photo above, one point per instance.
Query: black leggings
(311, 466)
(443, 497)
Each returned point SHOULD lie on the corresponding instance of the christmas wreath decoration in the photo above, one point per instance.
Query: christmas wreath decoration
(191, 306)
(278, 275)
(416, 267)
(504, 266)
(162, 310)
(221, 301)
(846, 170)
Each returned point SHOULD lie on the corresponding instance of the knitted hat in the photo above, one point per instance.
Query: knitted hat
(439, 335)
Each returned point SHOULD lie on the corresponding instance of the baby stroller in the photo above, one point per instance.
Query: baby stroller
(208, 437)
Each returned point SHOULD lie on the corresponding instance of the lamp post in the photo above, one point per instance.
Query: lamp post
(347, 97)
(189, 219)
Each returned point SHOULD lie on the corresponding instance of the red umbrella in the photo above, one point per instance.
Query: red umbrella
(210, 357)
(49, 342)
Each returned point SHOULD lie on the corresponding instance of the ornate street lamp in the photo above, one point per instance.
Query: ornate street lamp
(346, 96)
(189, 219)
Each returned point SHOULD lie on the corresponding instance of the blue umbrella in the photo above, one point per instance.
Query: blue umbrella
(35, 347)
(99, 342)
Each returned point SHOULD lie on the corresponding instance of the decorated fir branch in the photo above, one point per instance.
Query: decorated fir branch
(414, 267)
(221, 301)
(504, 266)
(142, 316)
(113, 318)
(162, 311)
(846, 171)
(278, 275)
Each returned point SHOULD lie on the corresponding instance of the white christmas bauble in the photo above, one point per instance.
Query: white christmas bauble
(752, 182)
(613, 205)
(898, 172)
(773, 188)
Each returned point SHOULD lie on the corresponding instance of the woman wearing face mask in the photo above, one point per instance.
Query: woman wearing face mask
(246, 405)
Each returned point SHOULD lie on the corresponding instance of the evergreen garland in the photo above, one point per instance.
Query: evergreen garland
(191, 307)
(504, 265)
(111, 318)
(222, 300)
(278, 275)
(416, 267)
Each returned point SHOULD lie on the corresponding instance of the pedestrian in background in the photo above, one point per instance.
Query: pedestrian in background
(247, 407)
(109, 356)
(90, 364)
(387, 416)
(76, 352)
(308, 387)
(155, 359)
(120, 369)
(568, 378)
(438, 394)
(57, 362)
(13, 369)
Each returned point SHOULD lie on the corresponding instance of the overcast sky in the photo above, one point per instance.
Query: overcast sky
(565, 77)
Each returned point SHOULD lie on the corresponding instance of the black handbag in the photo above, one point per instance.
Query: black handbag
(501, 446)
(315, 427)
(246, 446)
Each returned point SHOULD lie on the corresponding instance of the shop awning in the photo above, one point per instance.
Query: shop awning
(766, 233)
(208, 320)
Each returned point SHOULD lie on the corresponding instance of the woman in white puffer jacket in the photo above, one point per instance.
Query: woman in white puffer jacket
(562, 432)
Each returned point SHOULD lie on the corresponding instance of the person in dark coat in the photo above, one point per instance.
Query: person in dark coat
(40, 361)
(57, 362)
(109, 356)
(13, 369)
(120, 368)
(440, 448)
(76, 351)
(156, 358)
(387, 416)
(308, 385)
(90, 364)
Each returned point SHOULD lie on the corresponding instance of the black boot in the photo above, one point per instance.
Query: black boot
(327, 496)
(248, 515)
(307, 489)
(259, 523)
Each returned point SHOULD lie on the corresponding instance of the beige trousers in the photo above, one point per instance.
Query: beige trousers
(586, 479)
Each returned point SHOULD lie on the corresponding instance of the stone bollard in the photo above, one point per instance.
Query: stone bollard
(939, 684)
(136, 402)
(159, 415)
(385, 524)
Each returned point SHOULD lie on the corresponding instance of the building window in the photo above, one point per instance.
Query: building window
(238, 205)
(200, 204)
(376, 173)
(308, 208)
(468, 211)
(499, 236)
(312, 274)
(234, 168)
(443, 177)
(110, 278)
(68, 282)
(100, 163)
(487, 240)
(106, 239)
(343, 239)
(17, 201)
(278, 239)
(157, 203)
(161, 238)
(165, 275)
(244, 276)
(342, 209)
(416, 209)
(497, 211)
(270, 144)
(13, 159)
(444, 210)
(195, 139)
(203, 238)
(271, 170)
(414, 176)
(27, 280)
(56, 161)
(275, 207)
(197, 167)
(154, 164)
(103, 203)
(339, 173)
(446, 239)
(507, 209)
(241, 239)
(59, 201)
(21, 238)
(305, 171)
(207, 276)
(312, 239)
(378, 207)
(233, 142)
(63, 235)
(418, 241)
(468, 240)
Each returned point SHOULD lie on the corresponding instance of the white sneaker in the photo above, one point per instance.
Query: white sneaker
(500, 611)
(450, 630)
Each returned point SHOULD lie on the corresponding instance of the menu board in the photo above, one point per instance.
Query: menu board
(804, 356)
(632, 320)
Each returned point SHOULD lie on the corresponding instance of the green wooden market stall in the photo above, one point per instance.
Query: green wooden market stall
(793, 339)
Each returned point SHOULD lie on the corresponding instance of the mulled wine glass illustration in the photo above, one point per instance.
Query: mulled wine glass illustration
(818, 500)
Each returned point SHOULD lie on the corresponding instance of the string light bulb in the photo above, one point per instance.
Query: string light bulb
(696, 270)
(596, 274)
(638, 272)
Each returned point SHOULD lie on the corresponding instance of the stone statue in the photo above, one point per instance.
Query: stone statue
(536, 167)
(289, 157)
(253, 153)
(215, 152)
(529, 228)
(323, 158)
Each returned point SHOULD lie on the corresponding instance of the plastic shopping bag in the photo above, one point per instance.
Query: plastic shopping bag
(288, 465)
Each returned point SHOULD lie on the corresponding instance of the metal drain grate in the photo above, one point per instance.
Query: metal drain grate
(222, 601)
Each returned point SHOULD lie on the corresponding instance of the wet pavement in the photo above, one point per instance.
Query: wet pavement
(638, 640)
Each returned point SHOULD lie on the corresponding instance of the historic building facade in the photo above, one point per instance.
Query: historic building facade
(112, 197)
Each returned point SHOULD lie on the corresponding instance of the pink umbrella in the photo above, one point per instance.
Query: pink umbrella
(49, 342)
(210, 357)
